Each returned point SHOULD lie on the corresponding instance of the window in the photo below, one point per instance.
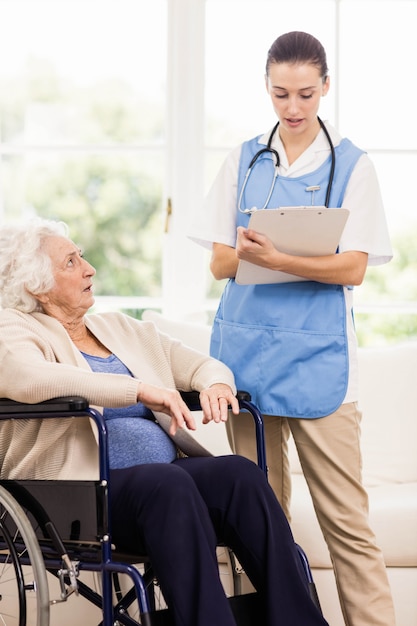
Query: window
(110, 108)
(83, 129)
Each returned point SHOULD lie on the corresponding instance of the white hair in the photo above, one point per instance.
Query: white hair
(25, 268)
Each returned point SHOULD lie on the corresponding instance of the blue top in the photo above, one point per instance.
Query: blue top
(286, 343)
(134, 436)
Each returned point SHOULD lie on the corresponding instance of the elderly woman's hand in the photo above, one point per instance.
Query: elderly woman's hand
(167, 401)
(215, 401)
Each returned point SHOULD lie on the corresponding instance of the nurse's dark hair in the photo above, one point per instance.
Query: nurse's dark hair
(298, 47)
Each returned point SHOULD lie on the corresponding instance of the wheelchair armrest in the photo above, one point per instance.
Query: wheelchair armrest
(64, 403)
(192, 398)
(72, 406)
(62, 407)
(78, 403)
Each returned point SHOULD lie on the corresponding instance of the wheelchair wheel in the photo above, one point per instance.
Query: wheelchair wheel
(24, 593)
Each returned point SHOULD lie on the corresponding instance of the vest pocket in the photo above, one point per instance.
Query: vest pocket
(289, 372)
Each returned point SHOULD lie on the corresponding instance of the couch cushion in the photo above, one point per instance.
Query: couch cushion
(393, 518)
(388, 399)
(196, 336)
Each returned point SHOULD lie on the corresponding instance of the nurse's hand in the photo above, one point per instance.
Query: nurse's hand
(215, 401)
(346, 268)
(256, 248)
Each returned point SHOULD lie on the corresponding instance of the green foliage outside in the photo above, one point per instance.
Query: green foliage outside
(111, 199)
(394, 288)
(113, 215)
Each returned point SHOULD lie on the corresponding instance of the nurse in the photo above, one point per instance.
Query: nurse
(293, 345)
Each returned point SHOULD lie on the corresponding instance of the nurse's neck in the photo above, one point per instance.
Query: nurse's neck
(296, 144)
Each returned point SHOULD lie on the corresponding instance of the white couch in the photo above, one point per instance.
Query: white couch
(389, 444)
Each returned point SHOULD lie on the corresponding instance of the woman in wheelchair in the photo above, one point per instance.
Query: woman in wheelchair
(169, 497)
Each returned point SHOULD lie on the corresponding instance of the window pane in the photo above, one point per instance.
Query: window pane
(111, 204)
(396, 173)
(90, 71)
(377, 58)
(82, 106)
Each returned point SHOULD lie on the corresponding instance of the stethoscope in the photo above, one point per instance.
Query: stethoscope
(275, 156)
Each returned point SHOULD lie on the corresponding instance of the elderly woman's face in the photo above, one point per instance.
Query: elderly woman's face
(72, 293)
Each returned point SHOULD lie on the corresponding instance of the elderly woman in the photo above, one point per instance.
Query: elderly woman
(170, 497)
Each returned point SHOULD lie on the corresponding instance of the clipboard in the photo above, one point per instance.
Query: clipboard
(301, 231)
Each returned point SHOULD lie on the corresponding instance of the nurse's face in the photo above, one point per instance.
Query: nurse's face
(295, 91)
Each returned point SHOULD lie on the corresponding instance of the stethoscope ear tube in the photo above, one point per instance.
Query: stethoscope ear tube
(258, 154)
(275, 154)
(333, 164)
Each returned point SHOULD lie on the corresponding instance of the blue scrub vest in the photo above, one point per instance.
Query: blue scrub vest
(286, 343)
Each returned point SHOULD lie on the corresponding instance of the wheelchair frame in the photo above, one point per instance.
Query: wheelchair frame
(65, 558)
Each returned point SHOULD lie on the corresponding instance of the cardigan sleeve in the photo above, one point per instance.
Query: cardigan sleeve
(34, 381)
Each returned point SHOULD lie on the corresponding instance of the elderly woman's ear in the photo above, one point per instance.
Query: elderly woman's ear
(42, 298)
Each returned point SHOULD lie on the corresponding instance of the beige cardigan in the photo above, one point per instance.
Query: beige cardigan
(39, 361)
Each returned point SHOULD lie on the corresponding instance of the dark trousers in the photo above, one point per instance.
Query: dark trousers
(177, 513)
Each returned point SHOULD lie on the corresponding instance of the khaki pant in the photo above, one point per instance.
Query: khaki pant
(329, 452)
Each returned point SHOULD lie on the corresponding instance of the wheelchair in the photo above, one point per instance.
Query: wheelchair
(62, 528)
